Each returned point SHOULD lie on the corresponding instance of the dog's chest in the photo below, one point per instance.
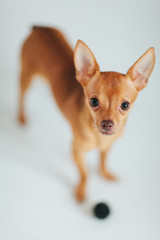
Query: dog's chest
(94, 139)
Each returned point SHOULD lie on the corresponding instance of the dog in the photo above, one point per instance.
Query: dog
(95, 103)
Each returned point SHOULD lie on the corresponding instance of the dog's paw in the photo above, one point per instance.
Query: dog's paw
(109, 176)
(80, 194)
(22, 119)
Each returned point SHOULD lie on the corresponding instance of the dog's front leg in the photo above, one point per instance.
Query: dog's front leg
(103, 168)
(78, 156)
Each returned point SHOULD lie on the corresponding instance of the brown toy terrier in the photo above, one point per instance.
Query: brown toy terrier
(95, 103)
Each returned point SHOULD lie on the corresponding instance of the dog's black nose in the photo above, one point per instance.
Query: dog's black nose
(107, 125)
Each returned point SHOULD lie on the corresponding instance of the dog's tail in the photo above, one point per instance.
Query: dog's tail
(34, 27)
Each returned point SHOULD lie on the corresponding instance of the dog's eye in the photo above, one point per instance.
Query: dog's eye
(94, 102)
(125, 106)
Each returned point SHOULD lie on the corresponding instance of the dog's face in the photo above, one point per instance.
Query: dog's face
(110, 95)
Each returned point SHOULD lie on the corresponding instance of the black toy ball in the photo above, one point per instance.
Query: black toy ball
(101, 210)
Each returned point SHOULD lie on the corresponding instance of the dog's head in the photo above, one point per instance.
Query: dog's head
(110, 95)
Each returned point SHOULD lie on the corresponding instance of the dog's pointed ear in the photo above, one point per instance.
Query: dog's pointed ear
(141, 70)
(85, 63)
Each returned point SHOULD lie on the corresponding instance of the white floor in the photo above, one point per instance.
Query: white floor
(37, 174)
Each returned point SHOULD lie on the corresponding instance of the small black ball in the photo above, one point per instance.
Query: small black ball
(101, 210)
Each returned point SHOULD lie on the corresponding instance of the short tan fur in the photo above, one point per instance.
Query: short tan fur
(95, 103)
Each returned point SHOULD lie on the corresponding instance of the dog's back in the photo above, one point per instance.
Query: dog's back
(47, 53)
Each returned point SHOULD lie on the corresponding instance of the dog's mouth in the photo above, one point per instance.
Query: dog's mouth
(107, 132)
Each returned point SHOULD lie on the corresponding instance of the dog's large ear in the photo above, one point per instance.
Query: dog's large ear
(142, 69)
(85, 63)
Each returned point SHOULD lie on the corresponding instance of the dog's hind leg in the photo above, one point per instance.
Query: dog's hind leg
(25, 81)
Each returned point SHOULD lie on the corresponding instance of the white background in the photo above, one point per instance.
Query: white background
(37, 175)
